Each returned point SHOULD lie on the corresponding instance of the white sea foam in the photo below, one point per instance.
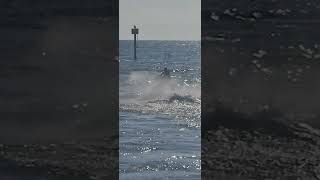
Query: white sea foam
(151, 94)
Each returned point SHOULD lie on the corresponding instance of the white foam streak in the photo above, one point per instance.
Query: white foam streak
(151, 94)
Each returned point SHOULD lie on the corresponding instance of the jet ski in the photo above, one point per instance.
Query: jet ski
(165, 74)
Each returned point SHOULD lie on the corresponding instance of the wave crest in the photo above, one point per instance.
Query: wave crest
(175, 97)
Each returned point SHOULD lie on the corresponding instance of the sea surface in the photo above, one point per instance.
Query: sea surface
(160, 118)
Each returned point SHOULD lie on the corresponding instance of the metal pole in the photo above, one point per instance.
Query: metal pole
(135, 46)
(135, 32)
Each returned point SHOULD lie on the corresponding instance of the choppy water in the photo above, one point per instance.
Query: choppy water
(160, 119)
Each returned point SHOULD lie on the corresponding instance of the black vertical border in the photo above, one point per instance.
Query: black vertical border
(59, 92)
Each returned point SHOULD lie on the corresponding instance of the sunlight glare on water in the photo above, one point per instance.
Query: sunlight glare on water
(160, 118)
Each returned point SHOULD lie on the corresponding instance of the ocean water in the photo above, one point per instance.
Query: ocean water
(160, 118)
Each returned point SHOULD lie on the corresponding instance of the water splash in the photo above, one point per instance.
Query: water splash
(148, 93)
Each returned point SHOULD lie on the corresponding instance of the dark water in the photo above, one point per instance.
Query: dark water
(11, 171)
(160, 118)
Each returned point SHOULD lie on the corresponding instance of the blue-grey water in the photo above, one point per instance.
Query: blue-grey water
(160, 118)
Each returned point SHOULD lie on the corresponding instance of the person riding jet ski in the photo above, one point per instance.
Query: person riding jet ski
(165, 73)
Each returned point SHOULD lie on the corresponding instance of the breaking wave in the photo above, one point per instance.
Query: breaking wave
(146, 92)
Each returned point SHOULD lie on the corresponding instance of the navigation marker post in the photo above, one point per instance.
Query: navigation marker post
(135, 32)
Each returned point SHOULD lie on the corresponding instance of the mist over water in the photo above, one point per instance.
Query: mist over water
(160, 118)
(151, 87)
